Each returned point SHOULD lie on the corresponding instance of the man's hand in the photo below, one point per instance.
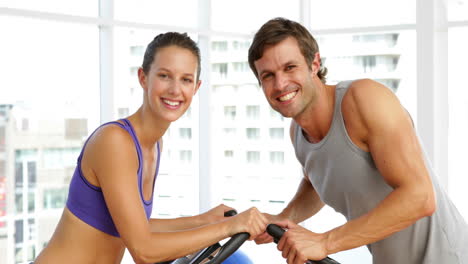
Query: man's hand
(299, 244)
(265, 237)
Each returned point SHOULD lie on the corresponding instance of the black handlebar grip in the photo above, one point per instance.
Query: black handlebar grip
(277, 232)
(230, 247)
(230, 213)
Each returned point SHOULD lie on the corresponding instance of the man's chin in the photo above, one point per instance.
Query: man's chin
(286, 114)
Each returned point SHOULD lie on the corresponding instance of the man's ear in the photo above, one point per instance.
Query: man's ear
(197, 86)
(142, 78)
(316, 63)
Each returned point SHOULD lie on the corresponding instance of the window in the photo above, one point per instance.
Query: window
(219, 46)
(253, 133)
(55, 198)
(277, 157)
(221, 69)
(458, 116)
(79, 8)
(2, 139)
(259, 11)
(277, 133)
(383, 13)
(156, 12)
(185, 133)
(18, 175)
(388, 58)
(18, 202)
(185, 156)
(123, 112)
(45, 119)
(56, 158)
(457, 10)
(229, 131)
(228, 154)
(241, 45)
(31, 201)
(19, 231)
(241, 67)
(24, 124)
(137, 51)
(276, 115)
(45, 122)
(134, 71)
(253, 157)
(230, 112)
(253, 112)
(188, 113)
(32, 172)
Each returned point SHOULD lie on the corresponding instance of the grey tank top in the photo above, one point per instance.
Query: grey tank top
(346, 178)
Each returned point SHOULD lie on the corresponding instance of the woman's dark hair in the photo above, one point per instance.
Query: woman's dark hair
(277, 30)
(163, 40)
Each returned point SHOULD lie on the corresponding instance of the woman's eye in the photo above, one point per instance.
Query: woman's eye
(162, 75)
(187, 80)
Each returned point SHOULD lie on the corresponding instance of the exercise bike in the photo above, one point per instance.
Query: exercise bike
(216, 254)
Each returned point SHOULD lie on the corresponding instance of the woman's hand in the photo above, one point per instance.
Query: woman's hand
(251, 221)
(214, 215)
(265, 237)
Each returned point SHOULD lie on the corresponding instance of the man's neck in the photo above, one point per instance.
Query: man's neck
(316, 120)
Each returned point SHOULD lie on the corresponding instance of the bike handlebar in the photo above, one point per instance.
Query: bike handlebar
(277, 232)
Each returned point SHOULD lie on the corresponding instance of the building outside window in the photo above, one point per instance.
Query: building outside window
(43, 124)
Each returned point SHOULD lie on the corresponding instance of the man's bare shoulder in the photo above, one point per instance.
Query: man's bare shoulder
(372, 102)
(368, 95)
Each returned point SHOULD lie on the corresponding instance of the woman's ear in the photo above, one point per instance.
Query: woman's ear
(197, 86)
(142, 78)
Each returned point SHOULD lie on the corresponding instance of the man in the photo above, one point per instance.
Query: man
(360, 155)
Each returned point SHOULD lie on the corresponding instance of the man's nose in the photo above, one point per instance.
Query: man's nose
(281, 81)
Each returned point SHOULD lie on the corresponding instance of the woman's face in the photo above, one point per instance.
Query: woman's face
(171, 82)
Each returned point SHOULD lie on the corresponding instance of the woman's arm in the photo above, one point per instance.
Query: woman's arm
(114, 161)
(182, 223)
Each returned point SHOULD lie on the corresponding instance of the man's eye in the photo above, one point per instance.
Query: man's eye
(266, 76)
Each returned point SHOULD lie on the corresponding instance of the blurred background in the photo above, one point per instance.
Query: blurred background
(67, 66)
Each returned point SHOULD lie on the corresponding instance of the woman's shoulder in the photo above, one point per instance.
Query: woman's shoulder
(110, 139)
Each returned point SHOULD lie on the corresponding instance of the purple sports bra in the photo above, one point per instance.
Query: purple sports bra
(86, 201)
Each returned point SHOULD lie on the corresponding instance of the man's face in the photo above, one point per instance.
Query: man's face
(285, 77)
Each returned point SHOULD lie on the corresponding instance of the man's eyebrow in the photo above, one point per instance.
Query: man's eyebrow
(290, 62)
(283, 65)
(264, 71)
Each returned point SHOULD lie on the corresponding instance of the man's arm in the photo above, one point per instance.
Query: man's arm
(304, 204)
(306, 201)
(377, 123)
(395, 148)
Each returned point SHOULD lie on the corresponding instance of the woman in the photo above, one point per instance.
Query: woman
(110, 197)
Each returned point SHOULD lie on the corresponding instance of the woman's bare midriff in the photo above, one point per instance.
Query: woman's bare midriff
(74, 241)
